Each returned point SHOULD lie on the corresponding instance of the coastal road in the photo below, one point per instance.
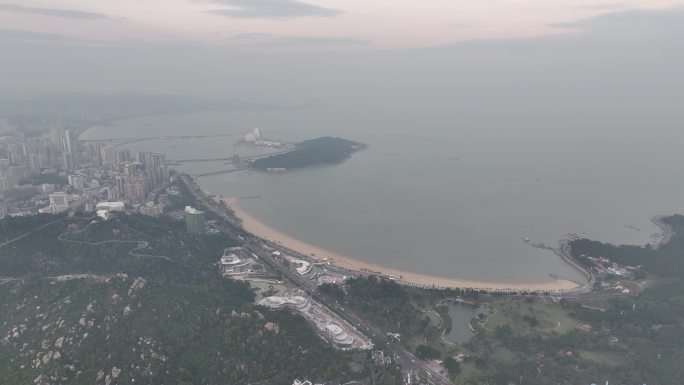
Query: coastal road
(405, 359)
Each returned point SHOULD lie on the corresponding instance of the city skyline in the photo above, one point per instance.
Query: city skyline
(71, 175)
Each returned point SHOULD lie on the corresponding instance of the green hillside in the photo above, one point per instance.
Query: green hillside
(135, 298)
(313, 152)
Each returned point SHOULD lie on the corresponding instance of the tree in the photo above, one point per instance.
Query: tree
(426, 352)
(452, 366)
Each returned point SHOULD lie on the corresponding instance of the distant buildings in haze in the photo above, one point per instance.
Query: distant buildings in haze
(257, 138)
(86, 172)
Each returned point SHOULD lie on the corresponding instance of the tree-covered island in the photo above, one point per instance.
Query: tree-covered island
(314, 152)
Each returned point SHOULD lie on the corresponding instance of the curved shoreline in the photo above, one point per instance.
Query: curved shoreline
(665, 231)
(264, 231)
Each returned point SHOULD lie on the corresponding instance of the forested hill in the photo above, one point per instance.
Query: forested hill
(314, 152)
(648, 327)
(665, 261)
(136, 298)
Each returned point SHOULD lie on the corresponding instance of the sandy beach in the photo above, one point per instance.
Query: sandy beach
(262, 230)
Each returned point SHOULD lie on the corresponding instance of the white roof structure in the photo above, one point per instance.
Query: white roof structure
(257, 133)
(337, 332)
(230, 259)
(111, 206)
(231, 264)
(275, 302)
(254, 136)
(338, 335)
(297, 382)
(304, 267)
(326, 279)
(191, 210)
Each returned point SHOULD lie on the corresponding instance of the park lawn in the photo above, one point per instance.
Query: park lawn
(504, 356)
(411, 343)
(435, 319)
(468, 371)
(548, 315)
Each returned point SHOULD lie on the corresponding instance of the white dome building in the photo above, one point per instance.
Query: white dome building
(257, 133)
(250, 138)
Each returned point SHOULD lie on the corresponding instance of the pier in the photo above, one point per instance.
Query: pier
(219, 172)
(124, 141)
(247, 158)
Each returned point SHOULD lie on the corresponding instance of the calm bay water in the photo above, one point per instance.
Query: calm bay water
(452, 199)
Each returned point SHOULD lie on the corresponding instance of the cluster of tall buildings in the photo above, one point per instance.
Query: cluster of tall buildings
(21, 157)
(131, 177)
(94, 171)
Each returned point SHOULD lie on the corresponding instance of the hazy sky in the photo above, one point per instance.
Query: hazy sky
(426, 52)
(263, 24)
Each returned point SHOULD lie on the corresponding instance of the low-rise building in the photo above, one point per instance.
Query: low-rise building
(151, 210)
(340, 334)
(111, 206)
(47, 188)
(232, 264)
(59, 202)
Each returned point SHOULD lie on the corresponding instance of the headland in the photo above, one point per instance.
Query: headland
(313, 152)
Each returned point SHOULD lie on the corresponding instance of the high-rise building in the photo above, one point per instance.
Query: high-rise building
(95, 154)
(194, 220)
(141, 157)
(108, 155)
(34, 162)
(123, 156)
(113, 195)
(68, 160)
(56, 135)
(38, 153)
(8, 181)
(18, 153)
(53, 157)
(4, 165)
(68, 143)
(76, 181)
(131, 169)
(119, 186)
(21, 171)
(69, 149)
(156, 170)
(135, 189)
(148, 163)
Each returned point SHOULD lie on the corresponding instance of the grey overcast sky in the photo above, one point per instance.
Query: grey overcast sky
(381, 23)
(301, 52)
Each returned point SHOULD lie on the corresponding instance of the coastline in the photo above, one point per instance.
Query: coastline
(665, 231)
(262, 230)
